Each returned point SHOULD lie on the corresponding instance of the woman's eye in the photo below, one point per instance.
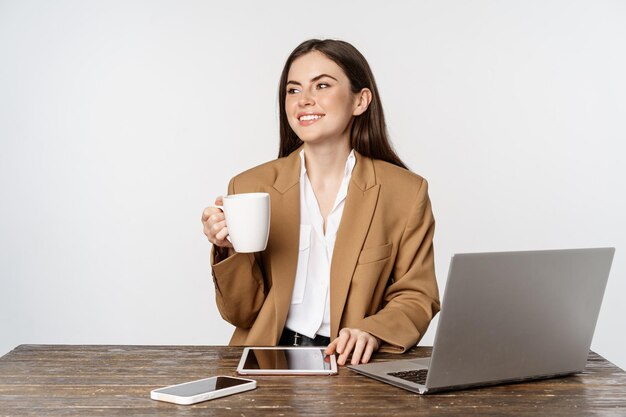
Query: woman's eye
(292, 91)
(322, 86)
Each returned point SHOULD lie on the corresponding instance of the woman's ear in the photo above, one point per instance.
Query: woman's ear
(363, 100)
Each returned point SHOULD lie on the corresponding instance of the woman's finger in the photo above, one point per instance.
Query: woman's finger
(210, 213)
(372, 345)
(222, 233)
(346, 350)
(359, 347)
(342, 340)
(206, 214)
(332, 347)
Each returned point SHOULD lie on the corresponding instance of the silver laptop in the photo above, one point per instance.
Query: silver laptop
(507, 317)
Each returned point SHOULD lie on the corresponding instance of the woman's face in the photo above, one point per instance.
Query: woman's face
(319, 104)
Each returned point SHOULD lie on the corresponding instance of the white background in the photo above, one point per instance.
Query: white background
(121, 120)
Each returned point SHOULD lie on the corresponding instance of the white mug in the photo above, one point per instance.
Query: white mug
(248, 221)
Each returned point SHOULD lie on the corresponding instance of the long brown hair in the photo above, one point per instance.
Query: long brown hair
(368, 135)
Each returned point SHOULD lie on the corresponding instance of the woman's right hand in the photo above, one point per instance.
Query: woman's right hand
(214, 225)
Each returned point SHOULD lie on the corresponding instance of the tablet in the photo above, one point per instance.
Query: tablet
(286, 361)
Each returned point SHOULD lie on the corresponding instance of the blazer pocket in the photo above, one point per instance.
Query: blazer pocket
(303, 265)
(376, 253)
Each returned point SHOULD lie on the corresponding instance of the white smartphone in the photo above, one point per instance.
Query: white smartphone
(202, 390)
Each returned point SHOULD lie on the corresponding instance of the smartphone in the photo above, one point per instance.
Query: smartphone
(202, 390)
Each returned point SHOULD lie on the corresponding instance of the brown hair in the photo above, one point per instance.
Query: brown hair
(368, 135)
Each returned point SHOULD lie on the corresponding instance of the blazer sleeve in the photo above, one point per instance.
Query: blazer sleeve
(239, 285)
(412, 297)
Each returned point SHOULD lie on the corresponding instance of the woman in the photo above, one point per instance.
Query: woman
(349, 261)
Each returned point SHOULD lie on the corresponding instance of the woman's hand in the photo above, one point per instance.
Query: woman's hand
(360, 343)
(214, 224)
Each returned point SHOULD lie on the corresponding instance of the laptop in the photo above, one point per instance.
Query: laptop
(508, 317)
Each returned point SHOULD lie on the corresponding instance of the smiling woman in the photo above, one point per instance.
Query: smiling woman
(368, 135)
(349, 260)
(320, 95)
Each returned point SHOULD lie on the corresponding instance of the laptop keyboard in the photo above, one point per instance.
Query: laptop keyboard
(417, 376)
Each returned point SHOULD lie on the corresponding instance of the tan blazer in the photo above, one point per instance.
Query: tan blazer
(382, 277)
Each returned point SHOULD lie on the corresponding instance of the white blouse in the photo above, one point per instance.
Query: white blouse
(309, 313)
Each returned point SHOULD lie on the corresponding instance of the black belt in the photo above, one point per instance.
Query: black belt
(291, 338)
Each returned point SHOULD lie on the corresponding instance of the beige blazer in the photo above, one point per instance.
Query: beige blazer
(382, 277)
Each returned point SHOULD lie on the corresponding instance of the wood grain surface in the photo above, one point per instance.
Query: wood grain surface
(59, 380)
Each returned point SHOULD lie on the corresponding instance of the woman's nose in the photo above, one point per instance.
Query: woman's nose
(306, 99)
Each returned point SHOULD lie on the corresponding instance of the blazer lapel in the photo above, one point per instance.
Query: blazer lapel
(355, 222)
(285, 235)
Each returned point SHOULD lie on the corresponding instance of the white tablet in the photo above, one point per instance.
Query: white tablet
(286, 361)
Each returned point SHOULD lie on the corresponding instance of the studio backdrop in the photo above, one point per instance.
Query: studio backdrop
(120, 121)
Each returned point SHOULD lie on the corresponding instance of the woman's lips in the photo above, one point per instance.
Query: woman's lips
(309, 118)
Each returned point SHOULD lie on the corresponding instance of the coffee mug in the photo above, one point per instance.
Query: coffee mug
(248, 220)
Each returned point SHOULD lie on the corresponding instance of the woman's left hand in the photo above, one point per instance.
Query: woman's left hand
(360, 343)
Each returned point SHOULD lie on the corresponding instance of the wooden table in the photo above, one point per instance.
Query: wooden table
(37, 380)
